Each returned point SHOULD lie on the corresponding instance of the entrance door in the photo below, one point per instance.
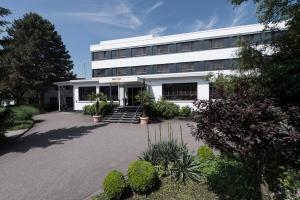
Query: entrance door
(131, 93)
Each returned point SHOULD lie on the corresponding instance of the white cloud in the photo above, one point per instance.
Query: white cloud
(240, 14)
(202, 25)
(120, 15)
(154, 7)
(157, 30)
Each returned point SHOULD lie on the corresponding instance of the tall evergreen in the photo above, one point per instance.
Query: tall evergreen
(37, 57)
(3, 68)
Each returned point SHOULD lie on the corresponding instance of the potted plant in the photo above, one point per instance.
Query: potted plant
(145, 99)
(97, 97)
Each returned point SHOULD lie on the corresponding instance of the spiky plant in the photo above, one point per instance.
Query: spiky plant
(186, 167)
(97, 97)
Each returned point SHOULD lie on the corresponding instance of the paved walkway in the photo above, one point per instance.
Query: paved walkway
(65, 156)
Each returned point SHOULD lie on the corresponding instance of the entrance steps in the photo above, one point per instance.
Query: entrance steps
(126, 114)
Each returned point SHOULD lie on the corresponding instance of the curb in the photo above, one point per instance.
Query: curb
(92, 195)
(23, 133)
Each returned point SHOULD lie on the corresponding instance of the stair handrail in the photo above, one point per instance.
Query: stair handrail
(137, 111)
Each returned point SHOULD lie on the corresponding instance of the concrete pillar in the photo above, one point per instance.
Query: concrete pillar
(59, 98)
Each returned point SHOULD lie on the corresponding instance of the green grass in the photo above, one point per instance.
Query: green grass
(18, 117)
(171, 190)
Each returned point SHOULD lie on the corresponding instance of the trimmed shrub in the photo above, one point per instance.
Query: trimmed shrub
(142, 176)
(185, 111)
(166, 109)
(205, 152)
(114, 184)
(6, 118)
(104, 108)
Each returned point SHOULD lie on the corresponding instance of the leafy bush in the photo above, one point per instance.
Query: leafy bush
(289, 185)
(142, 176)
(6, 118)
(114, 184)
(89, 109)
(104, 108)
(186, 168)
(166, 109)
(163, 153)
(185, 111)
(24, 112)
(205, 152)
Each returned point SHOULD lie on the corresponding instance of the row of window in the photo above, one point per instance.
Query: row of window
(111, 92)
(166, 68)
(198, 45)
(174, 91)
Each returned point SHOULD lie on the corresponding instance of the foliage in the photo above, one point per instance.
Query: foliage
(24, 112)
(171, 190)
(142, 176)
(98, 97)
(104, 108)
(114, 184)
(205, 152)
(185, 111)
(186, 168)
(228, 178)
(164, 153)
(289, 185)
(145, 99)
(166, 109)
(37, 57)
(5, 118)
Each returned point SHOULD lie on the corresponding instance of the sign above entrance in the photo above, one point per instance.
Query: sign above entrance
(124, 79)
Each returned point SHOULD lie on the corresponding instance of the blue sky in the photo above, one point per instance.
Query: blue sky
(85, 22)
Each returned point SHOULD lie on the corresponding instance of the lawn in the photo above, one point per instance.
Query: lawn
(17, 117)
(172, 190)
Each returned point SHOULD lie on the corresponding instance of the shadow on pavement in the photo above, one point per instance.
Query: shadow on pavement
(45, 139)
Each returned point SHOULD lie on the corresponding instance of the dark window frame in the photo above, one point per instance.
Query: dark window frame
(180, 91)
(111, 92)
(83, 96)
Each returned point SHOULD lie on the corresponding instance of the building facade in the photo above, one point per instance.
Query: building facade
(173, 67)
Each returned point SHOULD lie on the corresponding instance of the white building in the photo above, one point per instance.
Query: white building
(172, 67)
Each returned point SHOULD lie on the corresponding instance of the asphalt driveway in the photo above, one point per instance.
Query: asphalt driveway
(65, 156)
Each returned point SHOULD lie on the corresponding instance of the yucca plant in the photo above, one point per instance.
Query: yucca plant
(186, 167)
(97, 97)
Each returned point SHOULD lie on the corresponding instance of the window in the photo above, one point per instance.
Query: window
(98, 55)
(85, 92)
(141, 51)
(217, 43)
(215, 65)
(184, 47)
(162, 68)
(121, 53)
(179, 91)
(140, 70)
(186, 67)
(123, 71)
(53, 100)
(111, 92)
(101, 72)
(162, 49)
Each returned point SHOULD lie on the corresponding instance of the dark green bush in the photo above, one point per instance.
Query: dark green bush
(166, 109)
(114, 185)
(24, 112)
(186, 167)
(142, 176)
(185, 111)
(89, 109)
(163, 153)
(205, 152)
(6, 118)
(104, 108)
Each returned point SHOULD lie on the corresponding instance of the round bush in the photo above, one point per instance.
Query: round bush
(167, 109)
(185, 111)
(205, 152)
(142, 176)
(114, 184)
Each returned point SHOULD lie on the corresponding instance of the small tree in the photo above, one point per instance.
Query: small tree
(251, 127)
(145, 99)
(97, 97)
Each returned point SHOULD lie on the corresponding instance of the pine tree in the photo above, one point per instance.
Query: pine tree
(37, 57)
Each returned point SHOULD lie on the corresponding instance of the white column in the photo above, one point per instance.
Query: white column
(59, 98)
